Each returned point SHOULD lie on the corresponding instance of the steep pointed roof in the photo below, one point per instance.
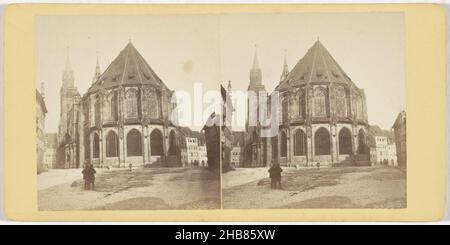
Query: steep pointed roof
(128, 68)
(316, 66)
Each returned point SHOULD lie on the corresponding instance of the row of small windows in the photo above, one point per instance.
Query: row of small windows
(322, 143)
(134, 144)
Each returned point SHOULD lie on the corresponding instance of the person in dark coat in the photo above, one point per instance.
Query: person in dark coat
(275, 176)
(272, 180)
(85, 176)
(89, 177)
(92, 173)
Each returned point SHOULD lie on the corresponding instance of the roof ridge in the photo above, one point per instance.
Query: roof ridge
(313, 63)
(137, 68)
(316, 64)
(126, 62)
(325, 63)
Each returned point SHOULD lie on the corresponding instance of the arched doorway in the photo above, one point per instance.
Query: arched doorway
(134, 143)
(156, 143)
(362, 146)
(112, 144)
(173, 145)
(345, 141)
(96, 146)
(283, 146)
(322, 142)
(299, 143)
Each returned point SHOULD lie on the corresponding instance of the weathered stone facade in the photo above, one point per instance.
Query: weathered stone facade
(127, 116)
(123, 118)
(322, 117)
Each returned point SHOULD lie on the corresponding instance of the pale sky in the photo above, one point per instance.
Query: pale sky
(213, 49)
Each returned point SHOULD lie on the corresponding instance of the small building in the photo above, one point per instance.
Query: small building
(193, 148)
(382, 152)
(392, 154)
(237, 156)
(399, 128)
(192, 151)
(202, 156)
(237, 152)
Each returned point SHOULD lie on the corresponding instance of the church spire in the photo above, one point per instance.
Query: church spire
(285, 71)
(68, 78)
(97, 71)
(255, 72)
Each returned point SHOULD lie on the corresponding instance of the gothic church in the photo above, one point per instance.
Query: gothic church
(322, 116)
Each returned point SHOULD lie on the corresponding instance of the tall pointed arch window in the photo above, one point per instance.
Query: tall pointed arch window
(299, 143)
(151, 103)
(131, 103)
(112, 144)
(112, 106)
(319, 102)
(341, 102)
(301, 104)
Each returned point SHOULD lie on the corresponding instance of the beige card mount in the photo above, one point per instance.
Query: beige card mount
(225, 112)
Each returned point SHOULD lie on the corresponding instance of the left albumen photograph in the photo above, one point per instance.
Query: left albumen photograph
(119, 112)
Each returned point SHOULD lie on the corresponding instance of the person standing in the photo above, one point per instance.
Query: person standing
(85, 176)
(92, 173)
(275, 176)
(271, 176)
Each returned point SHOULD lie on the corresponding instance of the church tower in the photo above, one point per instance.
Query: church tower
(255, 75)
(253, 142)
(67, 93)
(255, 87)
